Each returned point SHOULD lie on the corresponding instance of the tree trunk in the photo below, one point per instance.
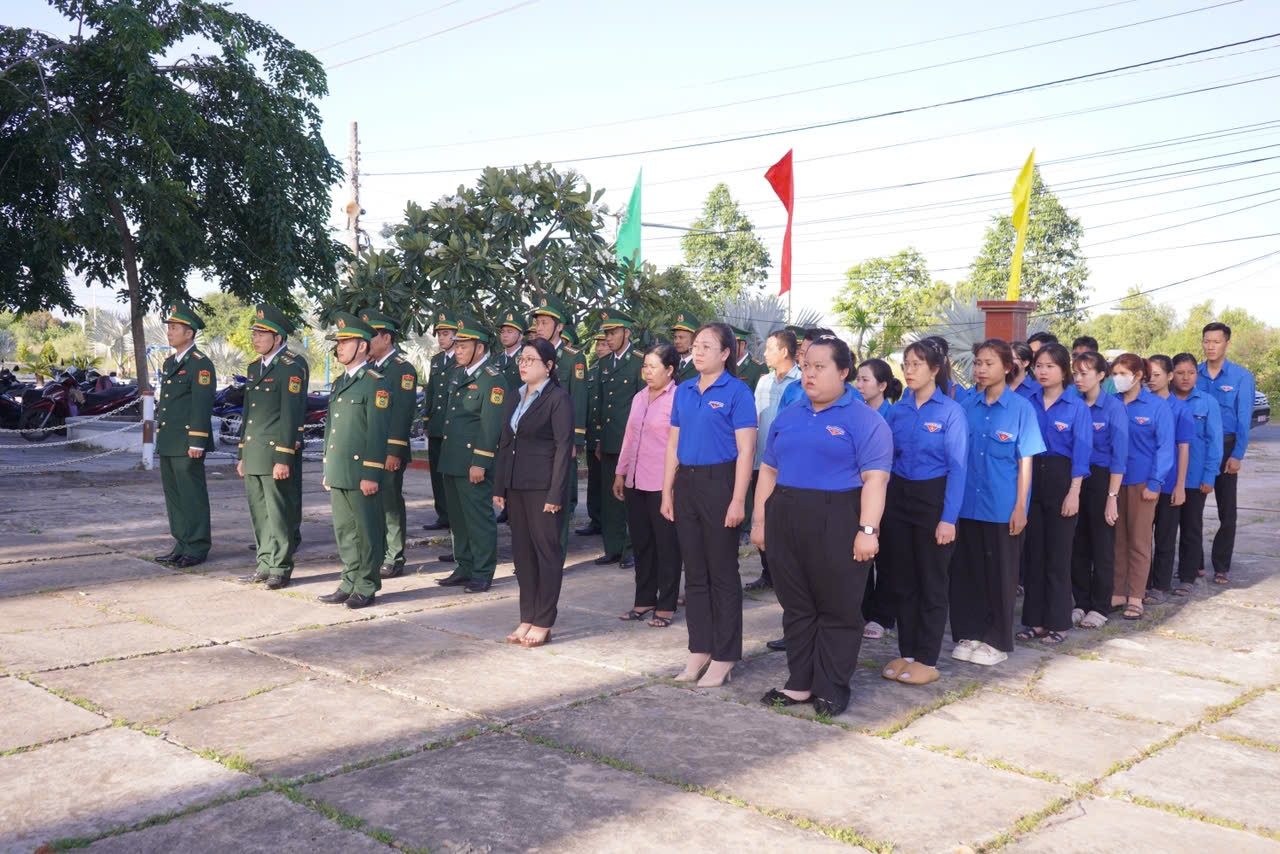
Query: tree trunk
(129, 256)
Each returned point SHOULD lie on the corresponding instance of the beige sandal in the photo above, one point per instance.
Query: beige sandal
(894, 668)
(919, 674)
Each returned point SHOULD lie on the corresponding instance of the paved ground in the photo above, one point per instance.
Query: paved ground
(147, 710)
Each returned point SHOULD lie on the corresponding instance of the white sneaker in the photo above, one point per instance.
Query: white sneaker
(963, 650)
(1077, 614)
(873, 630)
(987, 655)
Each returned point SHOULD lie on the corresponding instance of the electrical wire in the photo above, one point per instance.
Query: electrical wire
(460, 26)
(387, 26)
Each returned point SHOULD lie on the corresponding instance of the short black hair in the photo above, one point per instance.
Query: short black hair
(817, 332)
(1088, 342)
(1042, 338)
(786, 340)
(1217, 327)
(1185, 357)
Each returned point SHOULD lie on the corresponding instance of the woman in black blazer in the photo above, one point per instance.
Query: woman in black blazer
(534, 468)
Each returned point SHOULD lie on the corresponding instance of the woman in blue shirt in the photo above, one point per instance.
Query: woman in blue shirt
(930, 441)
(1203, 464)
(880, 389)
(1023, 382)
(826, 464)
(1146, 469)
(1003, 437)
(1056, 478)
(1093, 554)
(1173, 494)
(710, 450)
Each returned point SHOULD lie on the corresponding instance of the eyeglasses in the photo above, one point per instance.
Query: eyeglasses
(707, 348)
(914, 364)
(525, 361)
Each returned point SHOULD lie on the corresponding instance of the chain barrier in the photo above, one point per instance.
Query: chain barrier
(51, 464)
(83, 419)
(85, 440)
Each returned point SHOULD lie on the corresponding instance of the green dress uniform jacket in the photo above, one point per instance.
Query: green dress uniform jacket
(473, 425)
(510, 366)
(750, 372)
(435, 397)
(355, 448)
(184, 421)
(295, 476)
(595, 495)
(402, 381)
(619, 381)
(571, 366)
(688, 372)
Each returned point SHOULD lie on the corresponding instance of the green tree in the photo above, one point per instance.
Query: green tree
(227, 316)
(723, 254)
(127, 162)
(1136, 325)
(1054, 270)
(884, 298)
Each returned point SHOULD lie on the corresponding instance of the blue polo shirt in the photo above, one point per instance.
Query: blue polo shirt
(709, 419)
(1028, 386)
(1205, 458)
(1233, 389)
(1066, 429)
(883, 408)
(1110, 433)
(1151, 453)
(1184, 433)
(959, 393)
(828, 450)
(1000, 434)
(794, 393)
(931, 441)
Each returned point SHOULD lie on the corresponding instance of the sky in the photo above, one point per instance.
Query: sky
(1179, 195)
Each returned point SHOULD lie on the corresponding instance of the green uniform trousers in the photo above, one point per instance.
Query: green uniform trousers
(613, 512)
(358, 528)
(295, 480)
(474, 529)
(392, 492)
(271, 510)
(438, 497)
(186, 498)
(595, 488)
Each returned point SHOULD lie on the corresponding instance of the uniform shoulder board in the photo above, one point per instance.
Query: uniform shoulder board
(492, 371)
(635, 354)
(371, 372)
(758, 363)
(286, 358)
(397, 359)
(196, 354)
(571, 350)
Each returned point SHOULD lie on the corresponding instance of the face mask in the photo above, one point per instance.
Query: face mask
(1123, 382)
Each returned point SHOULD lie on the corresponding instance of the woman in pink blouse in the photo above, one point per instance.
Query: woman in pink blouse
(639, 484)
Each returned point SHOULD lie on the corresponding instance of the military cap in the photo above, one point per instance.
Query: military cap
(268, 318)
(610, 319)
(350, 326)
(184, 315)
(599, 336)
(552, 306)
(741, 334)
(532, 324)
(444, 319)
(512, 317)
(686, 321)
(570, 334)
(378, 321)
(470, 329)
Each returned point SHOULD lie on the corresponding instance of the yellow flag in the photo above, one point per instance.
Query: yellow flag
(1021, 214)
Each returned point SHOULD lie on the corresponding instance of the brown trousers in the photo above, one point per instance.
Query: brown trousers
(1133, 545)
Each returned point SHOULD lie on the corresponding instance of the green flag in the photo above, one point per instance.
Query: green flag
(629, 231)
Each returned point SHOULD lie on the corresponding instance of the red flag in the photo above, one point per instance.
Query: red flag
(781, 179)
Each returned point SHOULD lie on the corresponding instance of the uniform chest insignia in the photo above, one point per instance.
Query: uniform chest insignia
(269, 380)
(181, 372)
(205, 378)
(382, 399)
(1226, 388)
(932, 426)
(579, 371)
(1004, 436)
(715, 404)
(1099, 425)
(473, 387)
(495, 397)
(834, 430)
(1140, 419)
(1060, 426)
(406, 382)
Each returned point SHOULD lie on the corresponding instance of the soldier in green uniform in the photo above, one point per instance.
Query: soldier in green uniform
(619, 381)
(295, 468)
(472, 427)
(682, 332)
(183, 431)
(402, 381)
(593, 440)
(355, 451)
(749, 370)
(274, 406)
(511, 323)
(433, 402)
(551, 321)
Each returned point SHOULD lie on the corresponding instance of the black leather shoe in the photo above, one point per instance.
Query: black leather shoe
(390, 570)
(447, 557)
(359, 600)
(168, 556)
(605, 560)
(253, 547)
(779, 645)
(337, 597)
(588, 530)
(628, 562)
(476, 586)
(255, 578)
(186, 561)
(437, 525)
(759, 584)
(453, 580)
(776, 697)
(826, 707)
(275, 582)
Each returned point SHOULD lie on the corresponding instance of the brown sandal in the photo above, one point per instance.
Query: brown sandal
(1132, 612)
(1221, 578)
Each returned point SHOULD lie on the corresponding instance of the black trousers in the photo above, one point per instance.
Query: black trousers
(913, 565)
(594, 486)
(712, 587)
(765, 575)
(434, 444)
(819, 585)
(539, 560)
(657, 551)
(878, 599)
(1046, 555)
(984, 583)
(1180, 529)
(1093, 549)
(1224, 492)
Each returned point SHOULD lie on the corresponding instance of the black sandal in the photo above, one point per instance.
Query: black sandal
(1030, 634)
(634, 616)
(660, 622)
(777, 698)
(1053, 638)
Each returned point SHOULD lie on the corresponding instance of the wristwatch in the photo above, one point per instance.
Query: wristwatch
(867, 529)
(1113, 495)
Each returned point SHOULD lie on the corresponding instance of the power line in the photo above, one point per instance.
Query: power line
(460, 26)
(388, 26)
(901, 111)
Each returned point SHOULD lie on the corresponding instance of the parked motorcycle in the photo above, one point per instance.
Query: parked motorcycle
(64, 399)
(228, 406)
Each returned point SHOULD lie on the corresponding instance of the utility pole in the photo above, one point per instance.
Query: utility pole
(352, 207)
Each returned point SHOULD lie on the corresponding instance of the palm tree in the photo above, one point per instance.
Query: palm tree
(111, 336)
(227, 358)
(761, 314)
(963, 325)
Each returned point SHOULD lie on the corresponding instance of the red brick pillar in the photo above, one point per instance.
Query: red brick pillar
(1006, 319)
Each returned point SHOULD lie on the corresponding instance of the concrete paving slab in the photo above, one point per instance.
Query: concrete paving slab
(492, 620)
(357, 650)
(60, 573)
(44, 611)
(22, 546)
(1074, 745)
(100, 781)
(1258, 719)
(1226, 626)
(264, 824)
(1148, 649)
(499, 793)
(314, 727)
(1123, 690)
(159, 687)
(1098, 825)
(862, 777)
(25, 652)
(1220, 778)
(34, 716)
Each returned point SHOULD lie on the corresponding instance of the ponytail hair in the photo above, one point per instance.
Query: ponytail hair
(1001, 348)
(884, 374)
(928, 351)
